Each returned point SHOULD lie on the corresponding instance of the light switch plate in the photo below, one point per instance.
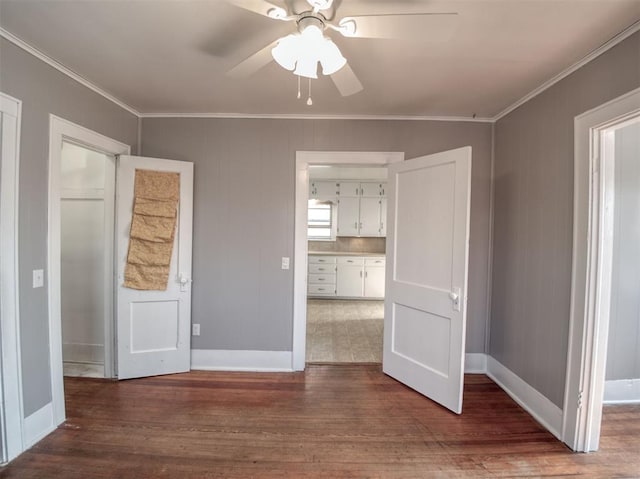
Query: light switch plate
(38, 278)
(285, 262)
(195, 329)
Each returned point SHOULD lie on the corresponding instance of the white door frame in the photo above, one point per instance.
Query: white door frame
(591, 270)
(59, 130)
(11, 414)
(303, 160)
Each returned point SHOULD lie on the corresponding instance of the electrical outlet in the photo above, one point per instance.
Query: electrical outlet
(38, 278)
(195, 329)
(285, 262)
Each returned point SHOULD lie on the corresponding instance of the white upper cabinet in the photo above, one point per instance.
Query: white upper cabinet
(323, 189)
(348, 216)
(372, 190)
(369, 216)
(383, 217)
(349, 188)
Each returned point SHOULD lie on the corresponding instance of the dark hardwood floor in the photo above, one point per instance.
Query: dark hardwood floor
(331, 421)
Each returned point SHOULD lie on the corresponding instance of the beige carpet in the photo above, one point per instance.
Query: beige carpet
(344, 331)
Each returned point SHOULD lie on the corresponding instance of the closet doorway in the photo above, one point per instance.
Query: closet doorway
(87, 184)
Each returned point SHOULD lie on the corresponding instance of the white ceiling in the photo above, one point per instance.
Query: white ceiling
(163, 56)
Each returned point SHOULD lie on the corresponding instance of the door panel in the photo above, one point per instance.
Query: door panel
(426, 277)
(154, 327)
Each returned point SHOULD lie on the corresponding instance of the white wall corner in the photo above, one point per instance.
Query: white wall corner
(475, 363)
(541, 408)
(227, 360)
(623, 391)
(38, 425)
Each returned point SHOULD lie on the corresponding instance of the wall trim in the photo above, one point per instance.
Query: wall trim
(294, 116)
(609, 44)
(38, 425)
(240, 360)
(59, 130)
(63, 69)
(475, 363)
(542, 409)
(622, 391)
(11, 418)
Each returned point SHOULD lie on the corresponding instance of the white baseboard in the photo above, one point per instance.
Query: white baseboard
(83, 353)
(38, 425)
(623, 391)
(543, 410)
(475, 363)
(222, 360)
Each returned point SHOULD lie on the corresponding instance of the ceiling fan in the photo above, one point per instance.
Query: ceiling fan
(302, 51)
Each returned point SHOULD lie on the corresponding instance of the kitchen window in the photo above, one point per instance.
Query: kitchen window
(321, 223)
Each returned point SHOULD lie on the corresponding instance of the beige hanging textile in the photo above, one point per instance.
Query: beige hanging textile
(153, 226)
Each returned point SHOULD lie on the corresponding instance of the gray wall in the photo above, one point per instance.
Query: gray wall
(533, 218)
(623, 356)
(44, 90)
(244, 213)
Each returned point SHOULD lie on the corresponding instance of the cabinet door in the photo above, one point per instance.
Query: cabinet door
(324, 189)
(349, 280)
(371, 189)
(349, 188)
(383, 217)
(348, 216)
(370, 216)
(374, 282)
(383, 189)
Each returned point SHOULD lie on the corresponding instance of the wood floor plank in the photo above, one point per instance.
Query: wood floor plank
(347, 421)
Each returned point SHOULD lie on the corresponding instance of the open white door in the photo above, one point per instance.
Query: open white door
(426, 283)
(154, 326)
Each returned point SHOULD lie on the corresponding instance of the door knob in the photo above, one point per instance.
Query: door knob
(455, 297)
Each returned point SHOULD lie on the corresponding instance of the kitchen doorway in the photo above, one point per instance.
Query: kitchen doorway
(346, 234)
(304, 161)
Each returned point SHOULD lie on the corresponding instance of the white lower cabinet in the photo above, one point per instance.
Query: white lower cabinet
(349, 276)
(322, 276)
(346, 276)
(374, 278)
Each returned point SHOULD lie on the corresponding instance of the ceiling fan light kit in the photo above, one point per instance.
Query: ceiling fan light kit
(302, 52)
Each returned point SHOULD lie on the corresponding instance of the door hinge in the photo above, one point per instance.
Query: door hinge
(580, 393)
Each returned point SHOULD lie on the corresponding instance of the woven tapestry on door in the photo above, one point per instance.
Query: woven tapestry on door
(153, 226)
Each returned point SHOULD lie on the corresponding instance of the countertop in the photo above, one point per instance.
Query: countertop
(344, 253)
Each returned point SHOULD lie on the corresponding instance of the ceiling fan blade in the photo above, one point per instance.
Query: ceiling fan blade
(261, 7)
(418, 27)
(346, 81)
(255, 62)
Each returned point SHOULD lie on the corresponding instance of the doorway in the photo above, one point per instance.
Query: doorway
(346, 264)
(594, 254)
(80, 255)
(87, 196)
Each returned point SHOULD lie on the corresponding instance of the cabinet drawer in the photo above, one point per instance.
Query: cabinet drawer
(374, 261)
(322, 279)
(322, 259)
(328, 289)
(322, 268)
(353, 260)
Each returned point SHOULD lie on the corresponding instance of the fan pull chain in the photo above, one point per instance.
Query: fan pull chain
(309, 100)
(299, 95)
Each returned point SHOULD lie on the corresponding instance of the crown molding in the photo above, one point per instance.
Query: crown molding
(315, 117)
(612, 42)
(63, 69)
(627, 32)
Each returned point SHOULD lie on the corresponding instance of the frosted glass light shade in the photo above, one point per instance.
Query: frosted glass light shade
(285, 53)
(331, 59)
